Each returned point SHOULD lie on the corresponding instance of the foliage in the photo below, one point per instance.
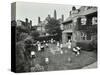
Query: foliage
(93, 44)
(29, 46)
(23, 29)
(53, 26)
(21, 33)
(35, 34)
(37, 68)
(20, 36)
(23, 53)
(21, 61)
(83, 45)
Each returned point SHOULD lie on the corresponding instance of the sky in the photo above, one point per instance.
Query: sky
(32, 11)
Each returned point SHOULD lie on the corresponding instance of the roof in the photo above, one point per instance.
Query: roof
(81, 13)
(68, 20)
(89, 11)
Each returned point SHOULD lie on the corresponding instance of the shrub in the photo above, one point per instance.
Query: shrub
(93, 45)
(21, 61)
(84, 46)
(35, 34)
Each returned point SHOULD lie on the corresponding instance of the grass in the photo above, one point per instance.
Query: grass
(60, 61)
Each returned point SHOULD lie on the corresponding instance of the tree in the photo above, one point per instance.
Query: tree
(53, 27)
(34, 34)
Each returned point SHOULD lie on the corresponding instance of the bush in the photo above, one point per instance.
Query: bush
(21, 36)
(37, 68)
(29, 46)
(21, 61)
(84, 46)
(93, 45)
(35, 34)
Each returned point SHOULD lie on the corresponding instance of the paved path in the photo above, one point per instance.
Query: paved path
(94, 65)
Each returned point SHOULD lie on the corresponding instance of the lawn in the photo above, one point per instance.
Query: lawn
(66, 61)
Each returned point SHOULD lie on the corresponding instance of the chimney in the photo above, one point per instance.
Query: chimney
(30, 22)
(26, 21)
(62, 17)
(39, 20)
(55, 14)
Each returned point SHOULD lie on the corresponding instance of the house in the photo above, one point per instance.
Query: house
(41, 27)
(81, 25)
(24, 24)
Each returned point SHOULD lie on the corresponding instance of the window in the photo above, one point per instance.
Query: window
(83, 21)
(88, 36)
(83, 36)
(94, 20)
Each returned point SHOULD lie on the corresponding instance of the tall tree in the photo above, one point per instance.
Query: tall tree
(53, 26)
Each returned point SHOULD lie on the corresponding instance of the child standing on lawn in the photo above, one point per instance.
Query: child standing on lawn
(69, 44)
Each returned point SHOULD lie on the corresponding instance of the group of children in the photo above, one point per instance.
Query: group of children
(42, 45)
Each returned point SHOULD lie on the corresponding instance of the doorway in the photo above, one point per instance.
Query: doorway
(69, 36)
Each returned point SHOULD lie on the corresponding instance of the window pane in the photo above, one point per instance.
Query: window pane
(83, 21)
(94, 20)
